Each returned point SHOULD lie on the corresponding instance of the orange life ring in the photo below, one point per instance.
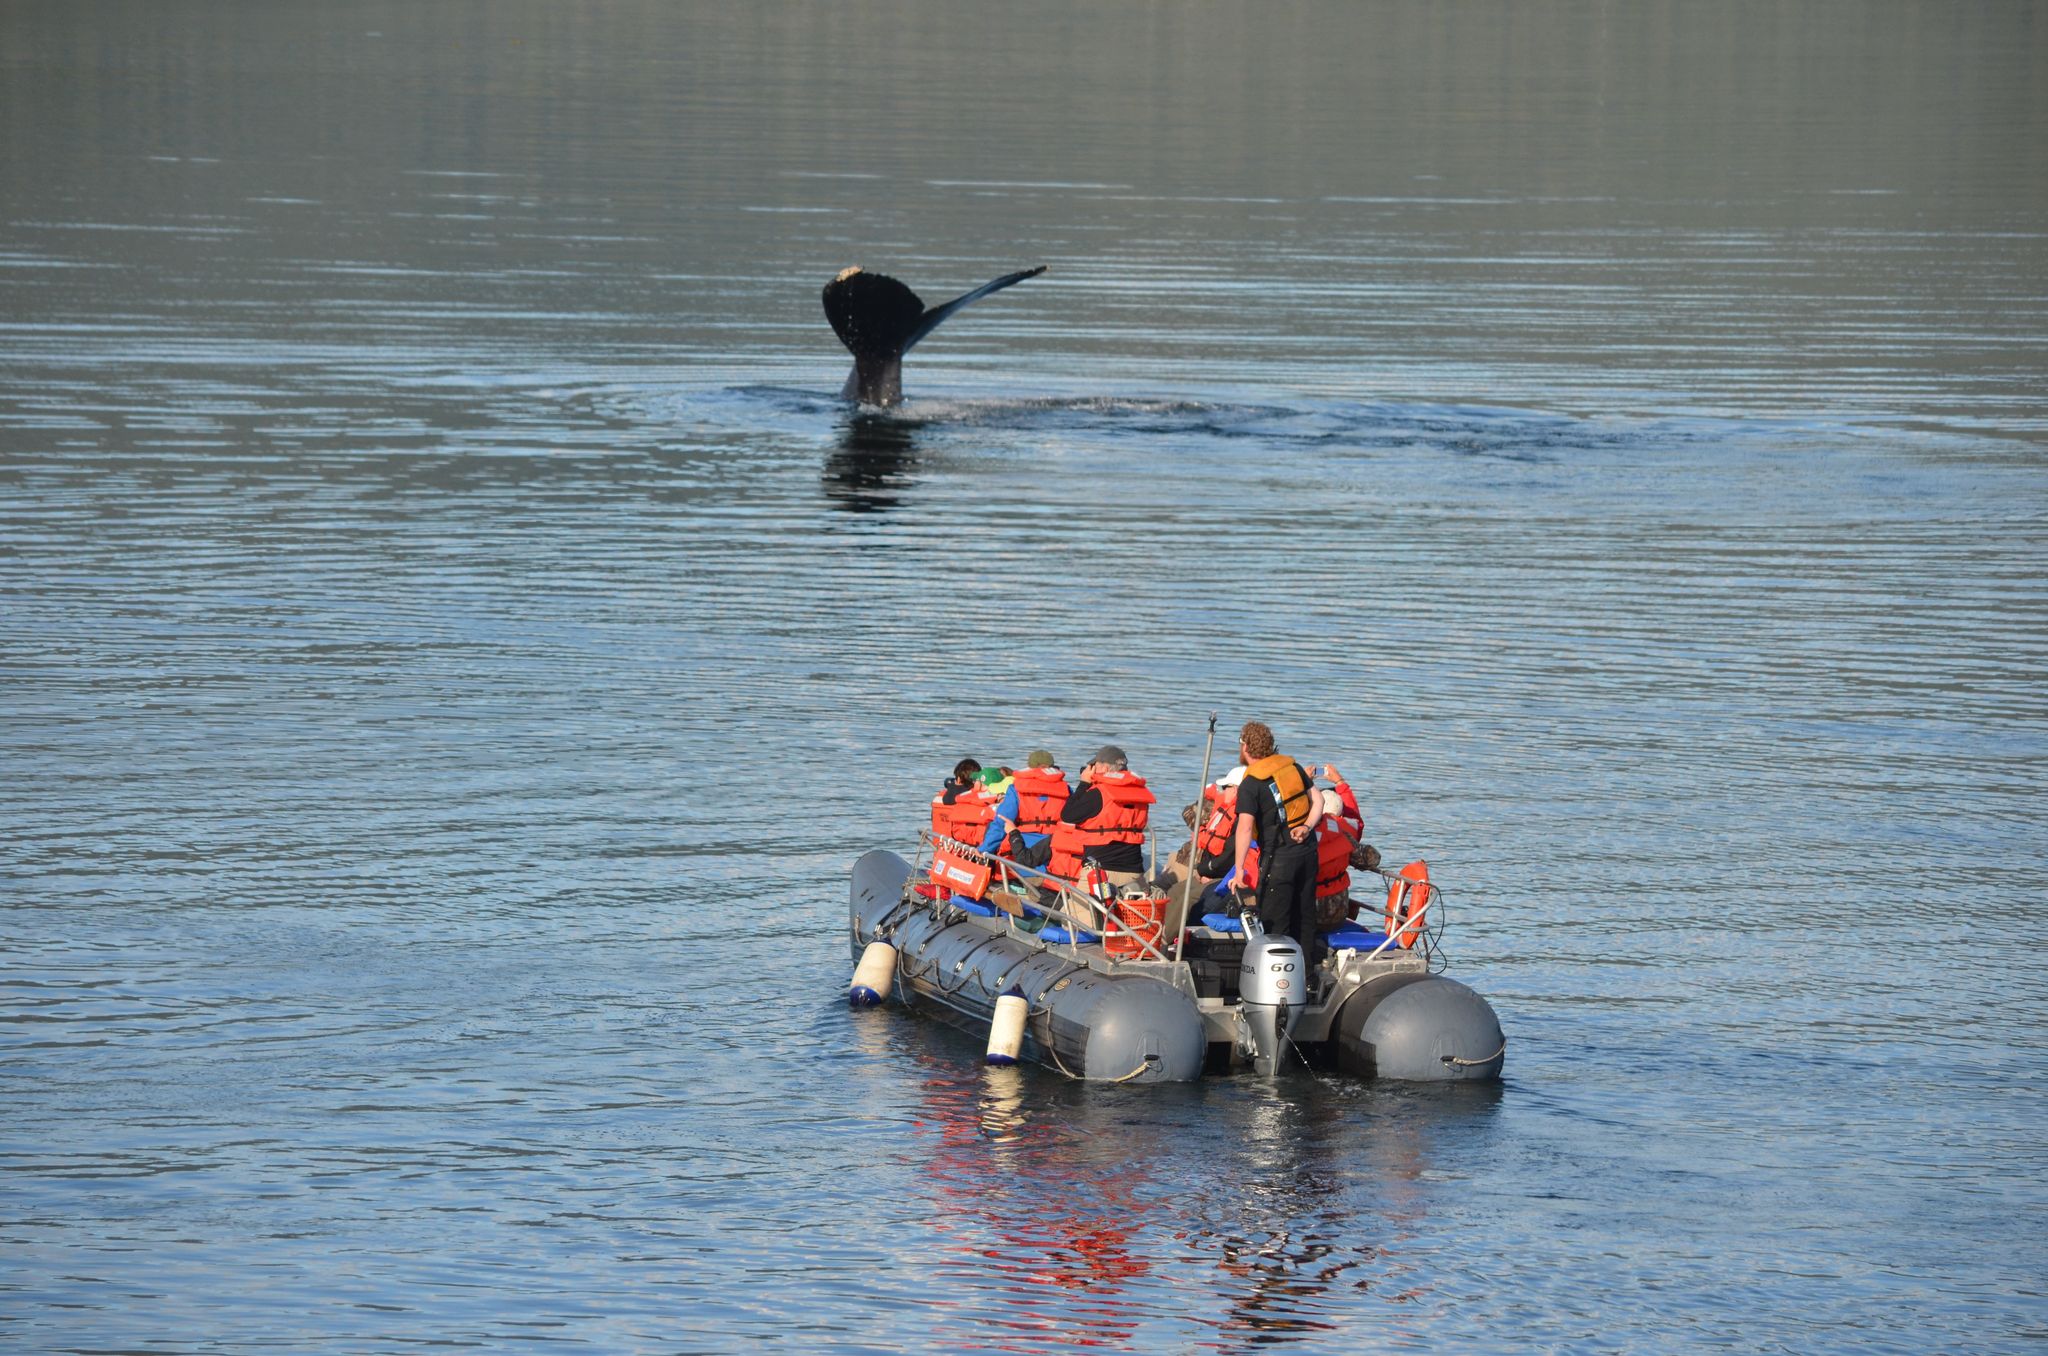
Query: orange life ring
(1407, 898)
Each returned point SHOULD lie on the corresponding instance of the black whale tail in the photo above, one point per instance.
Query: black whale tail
(879, 320)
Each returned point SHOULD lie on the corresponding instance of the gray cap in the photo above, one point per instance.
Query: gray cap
(1039, 758)
(1109, 753)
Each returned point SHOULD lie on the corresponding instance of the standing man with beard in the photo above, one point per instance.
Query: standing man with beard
(1278, 808)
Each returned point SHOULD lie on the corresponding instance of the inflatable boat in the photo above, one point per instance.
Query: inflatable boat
(1097, 990)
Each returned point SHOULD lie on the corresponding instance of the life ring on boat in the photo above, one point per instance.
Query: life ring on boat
(1407, 898)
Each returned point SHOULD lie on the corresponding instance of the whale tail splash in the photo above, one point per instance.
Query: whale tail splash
(879, 320)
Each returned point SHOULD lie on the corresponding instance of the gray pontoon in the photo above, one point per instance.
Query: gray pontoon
(1219, 997)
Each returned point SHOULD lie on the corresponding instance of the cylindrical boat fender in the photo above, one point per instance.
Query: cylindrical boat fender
(873, 977)
(1006, 1028)
(1422, 1028)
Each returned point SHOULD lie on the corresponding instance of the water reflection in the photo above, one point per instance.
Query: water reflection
(871, 467)
(1041, 1214)
(1091, 1217)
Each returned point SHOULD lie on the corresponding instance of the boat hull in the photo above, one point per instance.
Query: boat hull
(1118, 1028)
(1381, 1016)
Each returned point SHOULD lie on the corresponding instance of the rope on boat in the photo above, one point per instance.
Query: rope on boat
(974, 975)
(1073, 968)
(931, 970)
(934, 970)
(1143, 1065)
(1475, 1063)
(1061, 1065)
(1053, 1050)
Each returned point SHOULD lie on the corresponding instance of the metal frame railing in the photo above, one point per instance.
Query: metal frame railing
(1010, 873)
(1428, 919)
(1078, 911)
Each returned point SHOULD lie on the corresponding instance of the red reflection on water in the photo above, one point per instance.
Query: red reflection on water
(1035, 1225)
(1060, 1217)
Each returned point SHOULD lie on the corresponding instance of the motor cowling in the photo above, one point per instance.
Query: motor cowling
(1272, 986)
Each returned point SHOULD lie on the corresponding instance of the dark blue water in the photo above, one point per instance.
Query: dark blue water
(453, 645)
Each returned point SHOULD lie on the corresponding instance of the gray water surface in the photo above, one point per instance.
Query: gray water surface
(453, 645)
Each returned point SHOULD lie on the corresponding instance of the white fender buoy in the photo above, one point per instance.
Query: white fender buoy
(873, 976)
(1006, 1028)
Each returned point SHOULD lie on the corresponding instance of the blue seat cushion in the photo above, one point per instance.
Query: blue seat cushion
(974, 906)
(1059, 934)
(1349, 934)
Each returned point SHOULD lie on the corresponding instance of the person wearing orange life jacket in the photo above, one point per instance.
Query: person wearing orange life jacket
(1103, 823)
(962, 809)
(1364, 857)
(1207, 854)
(1239, 873)
(1029, 810)
(1337, 837)
(965, 779)
(1277, 807)
(1216, 838)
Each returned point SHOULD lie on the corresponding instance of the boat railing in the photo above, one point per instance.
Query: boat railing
(1427, 921)
(1074, 910)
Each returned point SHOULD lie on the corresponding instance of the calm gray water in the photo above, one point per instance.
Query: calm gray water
(453, 644)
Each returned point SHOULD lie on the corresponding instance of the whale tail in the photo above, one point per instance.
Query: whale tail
(879, 320)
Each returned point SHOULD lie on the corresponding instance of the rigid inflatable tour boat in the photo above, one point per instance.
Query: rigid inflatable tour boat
(1093, 988)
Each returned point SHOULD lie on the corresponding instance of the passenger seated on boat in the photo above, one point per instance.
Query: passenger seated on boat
(1028, 812)
(1103, 822)
(1338, 835)
(1207, 853)
(1215, 841)
(962, 809)
(966, 777)
(1333, 911)
(1171, 879)
(962, 782)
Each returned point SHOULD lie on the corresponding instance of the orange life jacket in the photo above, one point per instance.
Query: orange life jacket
(1041, 794)
(966, 819)
(1291, 790)
(1335, 837)
(1126, 809)
(1212, 839)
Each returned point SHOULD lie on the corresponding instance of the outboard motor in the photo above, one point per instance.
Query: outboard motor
(1272, 986)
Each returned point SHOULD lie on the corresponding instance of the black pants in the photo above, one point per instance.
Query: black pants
(1287, 899)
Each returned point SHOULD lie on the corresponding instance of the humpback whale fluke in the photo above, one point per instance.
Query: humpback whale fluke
(879, 320)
